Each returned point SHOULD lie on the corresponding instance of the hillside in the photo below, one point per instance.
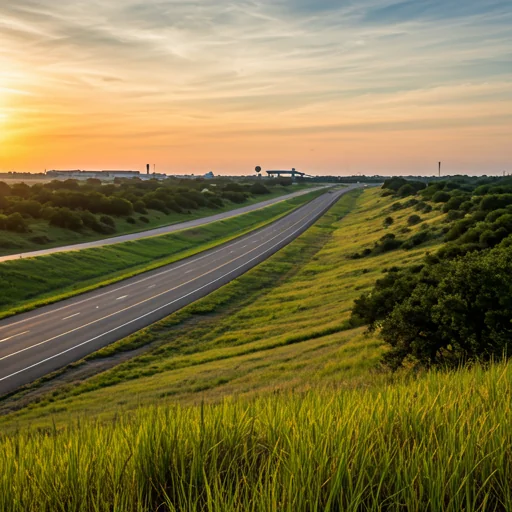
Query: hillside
(284, 325)
(265, 396)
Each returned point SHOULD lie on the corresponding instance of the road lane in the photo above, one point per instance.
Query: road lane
(35, 343)
(164, 230)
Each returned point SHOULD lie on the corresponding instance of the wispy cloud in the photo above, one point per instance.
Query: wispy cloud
(188, 72)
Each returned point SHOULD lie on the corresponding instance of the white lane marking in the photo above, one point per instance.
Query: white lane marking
(194, 260)
(182, 284)
(152, 286)
(146, 314)
(14, 336)
(123, 297)
(154, 296)
(70, 316)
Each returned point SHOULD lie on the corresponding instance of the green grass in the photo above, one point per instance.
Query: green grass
(28, 283)
(40, 230)
(282, 325)
(261, 397)
(441, 442)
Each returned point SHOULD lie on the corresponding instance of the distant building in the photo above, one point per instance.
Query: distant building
(106, 175)
(77, 174)
(207, 176)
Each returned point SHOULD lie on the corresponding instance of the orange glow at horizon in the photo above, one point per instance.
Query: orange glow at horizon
(330, 94)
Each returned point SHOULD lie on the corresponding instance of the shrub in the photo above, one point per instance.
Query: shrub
(406, 190)
(417, 239)
(234, 197)
(90, 221)
(394, 184)
(131, 220)
(453, 204)
(388, 221)
(144, 219)
(387, 243)
(441, 197)
(28, 207)
(258, 189)
(14, 222)
(233, 187)
(108, 221)
(119, 206)
(67, 219)
(455, 215)
(413, 219)
(139, 207)
(156, 204)
(495, 201)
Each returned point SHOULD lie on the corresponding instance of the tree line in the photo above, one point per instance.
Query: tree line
(91, 204)
(456, 306)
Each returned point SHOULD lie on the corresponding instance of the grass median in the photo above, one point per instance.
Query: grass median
(43, 235)
(30, 283)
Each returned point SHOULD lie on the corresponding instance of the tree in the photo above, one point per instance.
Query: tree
(14, 222)
(460, 311)
(28, 207)
(5, 190)
(21, 190)
(65, 218)
(258, 189)
(441, 197)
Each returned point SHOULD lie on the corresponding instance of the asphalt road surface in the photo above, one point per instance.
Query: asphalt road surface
(36, 343)
(159, 231)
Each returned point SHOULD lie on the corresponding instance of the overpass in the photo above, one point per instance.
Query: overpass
(292, 174)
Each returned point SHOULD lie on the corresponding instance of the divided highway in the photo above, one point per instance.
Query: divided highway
(172, 228)
(36, 343)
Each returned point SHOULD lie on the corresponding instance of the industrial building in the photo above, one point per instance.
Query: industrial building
(103, 175)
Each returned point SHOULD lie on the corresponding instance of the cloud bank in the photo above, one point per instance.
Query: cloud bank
(329, 86)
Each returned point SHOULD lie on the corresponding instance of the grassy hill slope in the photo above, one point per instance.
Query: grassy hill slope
(260, 438)
(283, 325)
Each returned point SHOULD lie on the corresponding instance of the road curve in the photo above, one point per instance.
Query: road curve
(158, 231)
(35, 343)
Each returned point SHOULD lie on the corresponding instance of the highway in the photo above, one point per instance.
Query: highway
(38, 342)
(171, 228)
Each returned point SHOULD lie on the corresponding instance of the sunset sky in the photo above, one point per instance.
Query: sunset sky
(326, 86)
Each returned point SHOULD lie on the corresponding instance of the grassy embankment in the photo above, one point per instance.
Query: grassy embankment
(28, 283)
(41, 231)
(358, 441)
(282, 325)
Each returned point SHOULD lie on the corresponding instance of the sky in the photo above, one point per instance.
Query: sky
(325, 86)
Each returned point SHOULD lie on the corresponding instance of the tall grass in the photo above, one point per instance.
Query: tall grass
(439, 442)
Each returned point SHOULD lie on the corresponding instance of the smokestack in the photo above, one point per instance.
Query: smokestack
(147, 168)
(439, 169)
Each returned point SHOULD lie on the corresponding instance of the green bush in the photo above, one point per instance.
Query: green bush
(259, 188)
(413, 219)
(66, 218)
(441, 197)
